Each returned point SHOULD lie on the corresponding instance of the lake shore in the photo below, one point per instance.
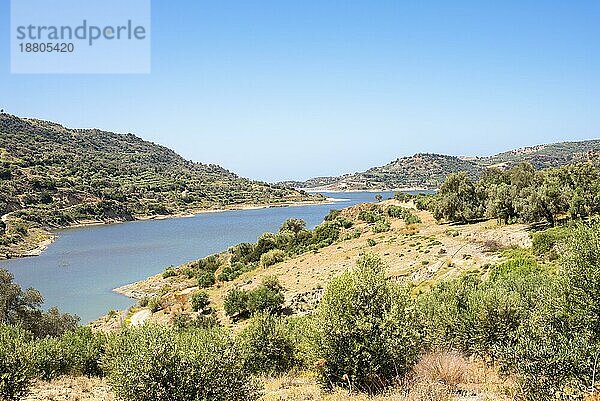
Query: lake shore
(323, 189)
(37, 247)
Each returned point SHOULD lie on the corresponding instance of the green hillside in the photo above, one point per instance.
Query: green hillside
(52, 176)
(425, 170)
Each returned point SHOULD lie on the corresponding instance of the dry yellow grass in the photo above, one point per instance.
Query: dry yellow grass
(71, 389)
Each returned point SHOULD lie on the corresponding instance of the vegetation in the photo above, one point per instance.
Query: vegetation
(155, 363)
(425, 170)
(17, 373)
(268, 297)
(535, 317)
(367, 334)
(52, 176)
(23, 308)
(268, 345)
(521, 194)
(200, 301)
(292, 239)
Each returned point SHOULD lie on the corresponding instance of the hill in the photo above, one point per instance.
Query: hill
(424, 170)
(52, 176)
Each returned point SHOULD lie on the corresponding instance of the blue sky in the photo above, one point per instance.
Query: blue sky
(298, 88)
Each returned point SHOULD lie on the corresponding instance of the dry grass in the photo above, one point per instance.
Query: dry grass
(71, 389)
(438, 376)
(448, 368)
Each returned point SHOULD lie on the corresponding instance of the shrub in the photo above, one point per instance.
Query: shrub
(267, 345)
(234, 270)
(169, 272)
(326, 233)
(293, 225)
(205, 278)
(50, 360)
(381, 226)
(86, 348)
(344, 222)
(268, 297)
(305, 337)
(371, 242)
(558, 346)
(264, 299)
(154, 363)
(544, 243)
(75, 353)
(235, 303)
(210, 263)
(270, 258)
(199, 300)
(367, 336)
(15, 369)
(143, 302)
(410, 218)
(332, 215)
(155, 304)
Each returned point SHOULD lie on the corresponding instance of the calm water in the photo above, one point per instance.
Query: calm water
(78, 272)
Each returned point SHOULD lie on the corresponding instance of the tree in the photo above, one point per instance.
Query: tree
(458, 200)
(293, 225)
(23, 308)
(367, 333)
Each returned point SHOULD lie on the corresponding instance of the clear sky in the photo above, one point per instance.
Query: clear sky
(291, 89)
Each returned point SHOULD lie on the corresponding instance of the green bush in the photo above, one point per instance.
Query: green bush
(16, 372)
(206, 278)
(87, 349)
(267, 345)
(544, 243)
(367, 335)
(232, 271)
(155, 363)
(326, 234)
(332, 215)
(169, 272)
(558, 346)
(235, 303)
(267, 297)
(381, 226)
(155, 304)
(200, 300)
(305, 337)
(293, 225)
(264, 299)
(75, 353)
(50, 359)
(270, 258)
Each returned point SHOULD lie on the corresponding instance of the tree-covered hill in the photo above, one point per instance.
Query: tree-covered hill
(425, 170)
(544, 156)
(52, 176)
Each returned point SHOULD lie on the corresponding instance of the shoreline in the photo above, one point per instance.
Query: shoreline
(321, 189)
(53, 234)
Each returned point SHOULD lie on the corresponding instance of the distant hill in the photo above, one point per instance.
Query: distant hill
(52, 176)
(425, 170)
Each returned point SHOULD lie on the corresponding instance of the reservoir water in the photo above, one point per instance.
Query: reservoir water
(80, 269)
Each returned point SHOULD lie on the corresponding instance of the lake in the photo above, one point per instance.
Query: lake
(80, 269)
